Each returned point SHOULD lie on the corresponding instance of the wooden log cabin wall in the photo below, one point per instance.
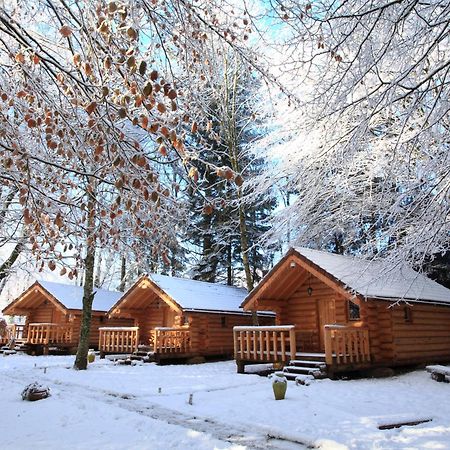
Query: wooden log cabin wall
(405, 315)
(201, 315)
(51, 319)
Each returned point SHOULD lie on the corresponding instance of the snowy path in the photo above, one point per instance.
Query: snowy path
(146, 407)
(258, 438)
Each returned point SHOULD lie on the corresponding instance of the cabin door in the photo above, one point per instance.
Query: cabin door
(168, 317)
(327, 316)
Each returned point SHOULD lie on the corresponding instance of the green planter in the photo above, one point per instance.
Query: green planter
(279, 386)
(91, 356)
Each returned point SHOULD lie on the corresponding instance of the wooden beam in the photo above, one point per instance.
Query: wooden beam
(324, 277)
(298, 280)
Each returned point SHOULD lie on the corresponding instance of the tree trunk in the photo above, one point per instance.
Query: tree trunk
(88, 291)
(8, 263)
(234, 158)
(123, 273)
(229, 264)
(244, 250)
(98, 273)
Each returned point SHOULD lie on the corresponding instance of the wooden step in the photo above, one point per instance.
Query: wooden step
(309, 356)
(290, 376)
(308, 363)
(301, 369)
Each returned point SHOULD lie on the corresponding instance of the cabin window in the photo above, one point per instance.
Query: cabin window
(353, 311)
(407, 314)
(102, 319)
(223, 321)
(185, 320)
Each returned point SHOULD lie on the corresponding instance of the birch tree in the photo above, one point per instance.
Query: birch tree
(369, 138)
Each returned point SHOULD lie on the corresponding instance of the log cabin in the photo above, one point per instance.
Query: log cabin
(53, 316)
(339, 313)
(177, 318)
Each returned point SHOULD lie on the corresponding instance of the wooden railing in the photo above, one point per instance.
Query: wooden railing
(268, 344)
(17, 332)
(49, 333)
(118, 339)
(14, 332)
(346, 345)
(171, 340)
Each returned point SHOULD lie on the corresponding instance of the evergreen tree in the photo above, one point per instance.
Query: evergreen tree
(226, 221)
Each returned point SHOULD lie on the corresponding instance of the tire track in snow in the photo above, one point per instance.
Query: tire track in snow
(258, 438)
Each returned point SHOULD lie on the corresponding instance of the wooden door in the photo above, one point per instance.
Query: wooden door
(326, 316)
(168, 317)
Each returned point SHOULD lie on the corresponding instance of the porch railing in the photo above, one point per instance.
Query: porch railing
(49, 333)
(346, 345)
(269, 344)
(18, 332)
(171, 340)
(118, 339)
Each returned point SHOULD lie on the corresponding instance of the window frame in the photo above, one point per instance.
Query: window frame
(349, 318)
(407, 314)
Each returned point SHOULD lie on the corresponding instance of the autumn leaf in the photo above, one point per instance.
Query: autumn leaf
(91, 107)
(193, 173)
(65, 31)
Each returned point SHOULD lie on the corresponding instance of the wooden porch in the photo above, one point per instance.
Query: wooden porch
(346, 348)
(39, 335)
(50, 334)
(14, 333)
(164, 342)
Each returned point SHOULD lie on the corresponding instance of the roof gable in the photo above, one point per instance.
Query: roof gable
(68, 296)
(188, 295)
(200, 295)
(364, 278)
(377, 279)
(72, 296)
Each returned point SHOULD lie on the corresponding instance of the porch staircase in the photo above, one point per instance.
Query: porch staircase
(143, 353)
(306, 364)
(22, 347)
(15, 348)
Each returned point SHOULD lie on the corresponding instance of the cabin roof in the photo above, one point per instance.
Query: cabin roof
(365, 278)
(201, 295)
(72, 296)
(65, 295)
(376, 279)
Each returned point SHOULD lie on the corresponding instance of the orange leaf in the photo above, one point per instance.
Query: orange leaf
(91, 107)
(65, 31)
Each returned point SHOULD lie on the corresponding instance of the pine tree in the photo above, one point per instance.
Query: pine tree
(226, 221)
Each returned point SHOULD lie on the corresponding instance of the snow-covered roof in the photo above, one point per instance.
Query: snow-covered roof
(200, 295)
(377, 279)
(72, 296)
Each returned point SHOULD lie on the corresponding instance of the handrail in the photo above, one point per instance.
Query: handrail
(171, 339)
(118, 339)
(346, 344)
(269, 344)
(49, 333)
(17, 332)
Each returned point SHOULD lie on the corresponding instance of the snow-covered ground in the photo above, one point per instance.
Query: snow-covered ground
(146, 407)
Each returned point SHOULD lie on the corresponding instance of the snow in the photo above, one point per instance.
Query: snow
(268, 328)
(373, 279)
(71, 296)
(200, 295)
(147, 407)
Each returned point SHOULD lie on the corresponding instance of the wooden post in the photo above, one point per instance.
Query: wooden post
(235, 342)
(292, 343)
(328, 347)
